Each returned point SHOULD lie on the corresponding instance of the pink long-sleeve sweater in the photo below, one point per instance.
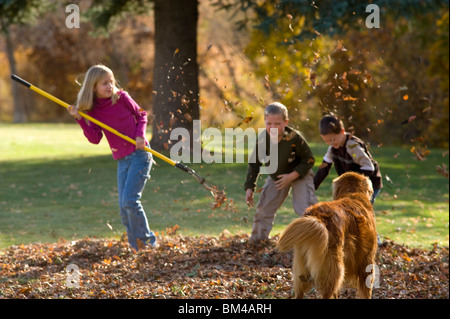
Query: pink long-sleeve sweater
(125, 116)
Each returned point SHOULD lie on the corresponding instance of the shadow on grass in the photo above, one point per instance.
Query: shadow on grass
(44, 200)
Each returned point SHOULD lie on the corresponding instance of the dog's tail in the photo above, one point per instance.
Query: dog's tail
(306, 233)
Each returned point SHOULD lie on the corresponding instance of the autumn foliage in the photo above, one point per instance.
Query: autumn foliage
(199, 267)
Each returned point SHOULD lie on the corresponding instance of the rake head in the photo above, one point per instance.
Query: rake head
(219, 195)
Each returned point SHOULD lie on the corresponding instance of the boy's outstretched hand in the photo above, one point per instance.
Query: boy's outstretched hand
(249, 197)
(285, 180)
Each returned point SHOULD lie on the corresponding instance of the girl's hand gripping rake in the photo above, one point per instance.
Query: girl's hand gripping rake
(218, 195)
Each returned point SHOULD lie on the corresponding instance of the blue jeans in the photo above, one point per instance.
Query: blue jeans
(376, 192)
(132, 174)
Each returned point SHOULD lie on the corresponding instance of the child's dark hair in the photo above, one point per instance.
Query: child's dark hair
(330, 124)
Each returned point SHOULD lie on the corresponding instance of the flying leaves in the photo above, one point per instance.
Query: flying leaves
(442, 170)
(245, 120)
(409, 120)
(420, 152)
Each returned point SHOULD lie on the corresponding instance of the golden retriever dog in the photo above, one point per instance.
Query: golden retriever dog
(335, 242)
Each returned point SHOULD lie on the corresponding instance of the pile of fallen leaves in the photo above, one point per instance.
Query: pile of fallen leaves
(196, 267)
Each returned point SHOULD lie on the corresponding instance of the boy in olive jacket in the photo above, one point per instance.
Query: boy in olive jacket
(294, 170)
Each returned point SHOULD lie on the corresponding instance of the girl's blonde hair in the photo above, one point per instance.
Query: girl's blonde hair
(85, 98)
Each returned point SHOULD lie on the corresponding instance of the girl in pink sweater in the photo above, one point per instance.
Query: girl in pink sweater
(100, 98)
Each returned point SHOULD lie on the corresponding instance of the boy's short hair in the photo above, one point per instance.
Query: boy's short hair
(330, 124)
(276, 108)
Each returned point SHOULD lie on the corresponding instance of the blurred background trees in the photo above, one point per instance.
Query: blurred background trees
(390, 85)
(18, 13)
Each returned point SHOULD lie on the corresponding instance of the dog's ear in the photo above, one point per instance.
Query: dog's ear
(351, 182)
(369, 188)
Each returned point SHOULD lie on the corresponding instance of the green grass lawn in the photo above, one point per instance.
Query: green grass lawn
(55, 185)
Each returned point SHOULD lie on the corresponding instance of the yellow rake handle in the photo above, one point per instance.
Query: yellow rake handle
(90, 118)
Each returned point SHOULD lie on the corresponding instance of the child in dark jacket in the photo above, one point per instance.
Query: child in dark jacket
(348, 153)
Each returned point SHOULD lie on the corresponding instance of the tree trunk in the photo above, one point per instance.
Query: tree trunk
(175, 85)
(20, 115)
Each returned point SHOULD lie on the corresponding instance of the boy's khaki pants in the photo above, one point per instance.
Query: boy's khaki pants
(271, 198)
